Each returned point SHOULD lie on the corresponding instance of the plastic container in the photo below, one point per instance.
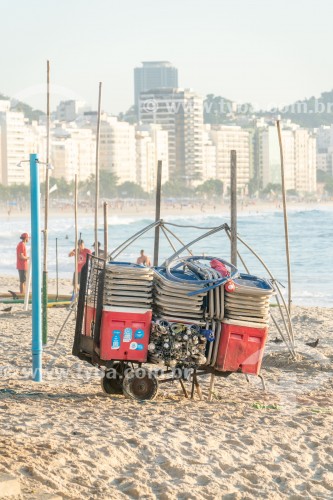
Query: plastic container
(89, 318)
(124, 334)
(241, 347)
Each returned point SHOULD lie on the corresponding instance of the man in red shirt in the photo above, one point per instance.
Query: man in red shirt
(22, 260)
(82, 258)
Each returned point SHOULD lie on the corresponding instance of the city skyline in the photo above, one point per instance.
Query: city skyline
(215, 50)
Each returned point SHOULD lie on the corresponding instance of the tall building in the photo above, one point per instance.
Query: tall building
(117, 149)
(324, 161)
(299, 155)
(225, 139)
(72, 151)
(180, 113)
(68, 111)
(151, 146)
(154, 75)
(13, 148)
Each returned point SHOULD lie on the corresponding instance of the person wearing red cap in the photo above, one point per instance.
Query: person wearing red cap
(22, 260)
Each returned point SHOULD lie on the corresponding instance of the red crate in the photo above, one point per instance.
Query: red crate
(89, 317)
(124, 334)
(241, 348)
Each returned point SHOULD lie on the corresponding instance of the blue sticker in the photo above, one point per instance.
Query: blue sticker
(139, 334)
(115, 343)
(127, 334)
(140, 347)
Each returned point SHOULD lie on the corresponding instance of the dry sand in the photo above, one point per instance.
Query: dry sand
(64, 436)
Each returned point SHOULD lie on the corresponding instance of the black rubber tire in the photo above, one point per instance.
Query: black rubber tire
(140, 384)
(112, 386)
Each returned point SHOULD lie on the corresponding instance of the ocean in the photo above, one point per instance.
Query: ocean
(310, 239)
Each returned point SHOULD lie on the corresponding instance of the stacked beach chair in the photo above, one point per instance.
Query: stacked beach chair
(171, 299)
(128, 285)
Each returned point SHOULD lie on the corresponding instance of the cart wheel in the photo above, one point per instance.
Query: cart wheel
(112, 384)
(140, 384)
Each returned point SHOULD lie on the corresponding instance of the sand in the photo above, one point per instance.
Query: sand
(65, 436)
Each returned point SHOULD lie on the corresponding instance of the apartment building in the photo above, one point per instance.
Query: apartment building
(180, 113)
(72, 151)
(225, 139)
(154, 75)
(13, 147)
(151, 146)
(299, 155)
(117, 149)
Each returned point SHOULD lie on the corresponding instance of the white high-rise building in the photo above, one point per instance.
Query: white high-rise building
(13, 148)
(324, 159)
(180, 113)
(68, 111)
(298, 157)
(151, 146)
(209, 156)
(226, 139)
(72, 151)
(117, 149)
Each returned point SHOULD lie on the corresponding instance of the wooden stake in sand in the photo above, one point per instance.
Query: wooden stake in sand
(97, 167)
(106, 242)
(46, 208)
(285, 215)
(157, 211)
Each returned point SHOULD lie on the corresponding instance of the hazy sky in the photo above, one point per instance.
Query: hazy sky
(267, 52)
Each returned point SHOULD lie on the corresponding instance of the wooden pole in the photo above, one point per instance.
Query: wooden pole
(286, 234)
(158, 211)
(105, 207)
(46, 209)
(57, 271)
(233, 206)
(97, 166)
(76, 239)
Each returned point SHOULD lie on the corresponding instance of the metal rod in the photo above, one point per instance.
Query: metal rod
(46, 206)
(184, 247)
(130, 240)
(233, 206)
(285, 215)
(158, 211)
(167, 237)
(97, 166)
(178, 239)
(106, 240)
(238, 254)
(37, 347)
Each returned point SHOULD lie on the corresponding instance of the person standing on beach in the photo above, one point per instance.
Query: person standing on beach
(22, 260)
(82, 258)
(100, 250)
(143, 259)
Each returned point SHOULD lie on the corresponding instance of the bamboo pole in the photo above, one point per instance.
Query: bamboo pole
(57, 271)
(233, 206)
(76, 239)
(285, 215)
(46, 209)
(97, 166)
(157, 211)
(105, 207)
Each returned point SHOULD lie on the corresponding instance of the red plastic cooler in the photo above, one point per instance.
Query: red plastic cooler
(124, 334)
(241, 347)
(89, 317)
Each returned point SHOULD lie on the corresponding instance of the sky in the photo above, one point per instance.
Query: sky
(266, 52)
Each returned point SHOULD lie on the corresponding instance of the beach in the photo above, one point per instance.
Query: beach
(64, 437)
